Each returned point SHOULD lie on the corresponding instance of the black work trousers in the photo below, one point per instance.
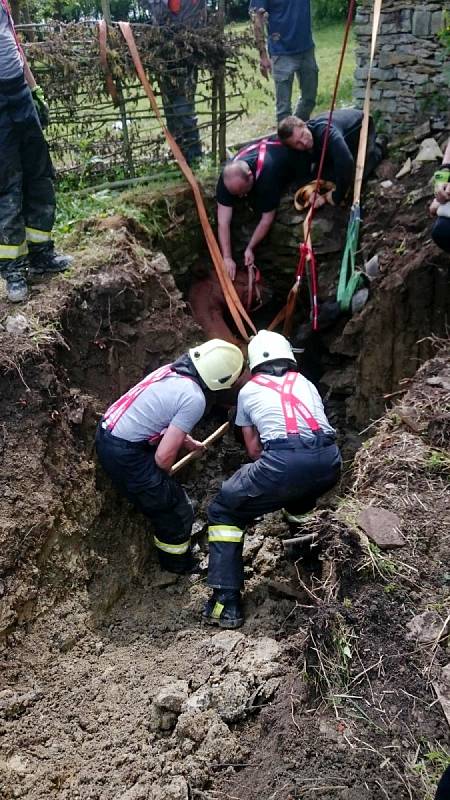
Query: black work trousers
(27, 196)
(441, 233)
(133, 471)
(178, 89)
(290, 471)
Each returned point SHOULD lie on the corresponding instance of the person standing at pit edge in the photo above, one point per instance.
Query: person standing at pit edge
(178, 84)
(291, 52)
(295, 458)
(27, 195)
(139, 437)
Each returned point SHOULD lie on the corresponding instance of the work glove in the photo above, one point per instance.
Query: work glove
(42, 108)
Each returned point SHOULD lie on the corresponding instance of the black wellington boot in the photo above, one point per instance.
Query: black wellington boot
(45, 261)
(224, 609)
(185, 564)
(14, 271)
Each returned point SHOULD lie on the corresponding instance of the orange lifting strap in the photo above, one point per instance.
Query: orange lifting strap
(237, 310)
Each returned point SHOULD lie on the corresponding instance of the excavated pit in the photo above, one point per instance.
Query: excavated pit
(110, 687)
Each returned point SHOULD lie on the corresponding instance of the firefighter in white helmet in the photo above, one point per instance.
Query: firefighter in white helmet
(295, 459)
(140, 435)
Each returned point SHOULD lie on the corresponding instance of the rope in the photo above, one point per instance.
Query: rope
(237, 310)
(349, 277)
(306, 250)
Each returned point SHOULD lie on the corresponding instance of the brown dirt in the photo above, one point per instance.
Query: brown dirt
(110, 688)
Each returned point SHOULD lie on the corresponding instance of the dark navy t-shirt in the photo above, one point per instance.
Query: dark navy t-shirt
(281, 166)
(289, 25)
(342, 149)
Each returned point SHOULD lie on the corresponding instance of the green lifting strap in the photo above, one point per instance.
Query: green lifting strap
(350, 278)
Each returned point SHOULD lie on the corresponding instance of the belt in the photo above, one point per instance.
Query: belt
(13, 85)
(123, 443)
(295, 442)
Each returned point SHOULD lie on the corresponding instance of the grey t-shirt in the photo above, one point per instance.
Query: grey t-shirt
(261, 406)
(171, 401)
(11, 64)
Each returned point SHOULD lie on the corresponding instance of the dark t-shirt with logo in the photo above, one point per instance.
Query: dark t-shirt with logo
(281, 167)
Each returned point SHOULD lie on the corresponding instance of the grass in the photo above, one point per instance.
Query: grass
(430, 767)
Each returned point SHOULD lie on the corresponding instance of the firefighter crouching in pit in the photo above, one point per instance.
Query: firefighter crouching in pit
(295, 457)
(139, 438)
(27, 196)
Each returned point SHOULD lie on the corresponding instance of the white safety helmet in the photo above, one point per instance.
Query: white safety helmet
(268, 346)
(218, 363)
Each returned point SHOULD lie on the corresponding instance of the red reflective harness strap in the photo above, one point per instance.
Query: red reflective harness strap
(314, 301)
(262, 150)
(117, 409)
(289, 402)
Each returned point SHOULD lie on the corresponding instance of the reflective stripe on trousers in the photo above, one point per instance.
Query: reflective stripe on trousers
(278, 477)
(172, 549)
(133, 471)
(9, 251)
(226, 567)
(27, 197)
(36, 236)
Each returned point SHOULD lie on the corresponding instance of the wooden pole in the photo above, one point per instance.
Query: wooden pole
(127, 152)
(214, 90)
(222, 92)
(209, 440)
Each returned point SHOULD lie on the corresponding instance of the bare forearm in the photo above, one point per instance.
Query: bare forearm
(260, 37)
(252, 442)
(261, 230)
(29, 77)
(225, 239)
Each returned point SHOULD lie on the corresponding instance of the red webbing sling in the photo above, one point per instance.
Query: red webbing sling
(237, 310)
(262, 150)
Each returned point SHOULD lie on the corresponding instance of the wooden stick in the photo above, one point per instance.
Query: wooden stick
(306, 537)
(209, 440)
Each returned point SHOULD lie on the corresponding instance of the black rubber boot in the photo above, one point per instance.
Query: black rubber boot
(184, 564)
(44, 260)
(382, 142)
(14, 271)
(224, 609)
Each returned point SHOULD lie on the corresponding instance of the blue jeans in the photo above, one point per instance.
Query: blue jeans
(304, 66)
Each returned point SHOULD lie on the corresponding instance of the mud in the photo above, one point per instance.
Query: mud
(110, 688)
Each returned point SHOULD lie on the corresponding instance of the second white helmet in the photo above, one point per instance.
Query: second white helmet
(268, 346)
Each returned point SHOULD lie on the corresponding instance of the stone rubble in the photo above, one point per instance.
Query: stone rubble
(247, 671)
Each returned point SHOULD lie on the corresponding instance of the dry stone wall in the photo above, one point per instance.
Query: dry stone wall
(411, 75)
